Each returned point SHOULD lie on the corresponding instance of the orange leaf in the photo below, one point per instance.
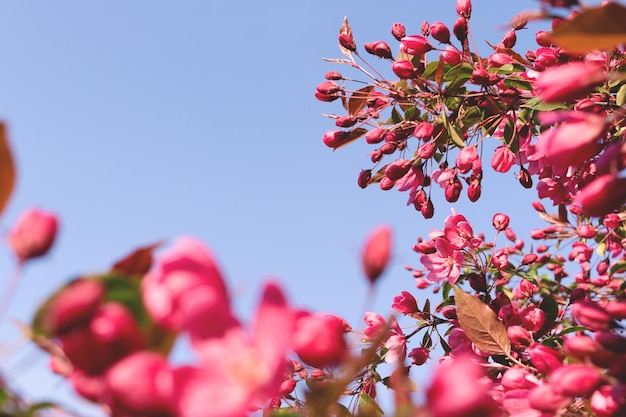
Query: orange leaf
(7, 169)
(359, 98)
(480, 324)
(137, 262)
(594, 28)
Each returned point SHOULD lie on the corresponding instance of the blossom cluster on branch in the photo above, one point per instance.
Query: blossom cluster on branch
(520, 328)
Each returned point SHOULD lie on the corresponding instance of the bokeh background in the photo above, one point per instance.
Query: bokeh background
(138, 121)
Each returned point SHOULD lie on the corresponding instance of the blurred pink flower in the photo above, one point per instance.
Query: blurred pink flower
(566, 83)
(33, 234)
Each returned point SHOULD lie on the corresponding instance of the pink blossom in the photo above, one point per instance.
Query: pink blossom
(503, 159)
(141, 384)
(454, 391)
(602, 195)
(396, 348)
(458, 231)
(183, 285)
(415, 45)
(445, 263)
(465, 159)
(569, 82)
(318, 340)
(575, 380)
(241, 367)
(405, 303)
(376, 325)
(572, 142)
(33, 234)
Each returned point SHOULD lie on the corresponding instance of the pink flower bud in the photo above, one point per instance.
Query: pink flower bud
(474, 191)
(75, 305)
(415, 45)
(464, 8)
(33, 234)
(376, 253)
(424, 131)
(440, 32)
(460, 29)
(364, 178)
(465, 159)
(445, 399)
(575, 380)
(405, 303)
(545, 398)
(602, 195)
(502, 159)
(591, 315)
(509, 40)
(533, 318)
(380, 49)
(419, 355)
(453, 189)
(425, 28)
(586, 231)
(397, 169)
(448, 312)
(386, 184)
(141, 384)
(319, 340)
(398, 31)
(545, 359)
(451, 55)
(375, 135)
(403, 69)
(327, 98)
(328, 87)
(520, 338)
(541, 37)
(333, 76)
(426, 151)
(617, 309)
(500, 221)
(529, 259)
(608, 401)
(569, 82)
(335, 138)
(428, 210)
(347, 42)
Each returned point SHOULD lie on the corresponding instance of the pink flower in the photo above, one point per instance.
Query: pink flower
(458, 231)
(602, 195)
(405, 303)
(396, 348)
(33, 234)
(376, 253)
(319, 341)
(445, 263)
(465, 159)
(75, 305)
(240, 368)
(141, 384)
(415, 45)
(184, 285)
(503, 159)
(572, 142)
(569, 82)
(575, 380)
(376, 325)
(457, 392)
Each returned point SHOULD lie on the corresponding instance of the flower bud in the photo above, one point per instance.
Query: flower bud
(319, 340)
(617, 309)
(380, 49)
(500, 221)
(364, 178)
(591, 315)
(424, 131)
(335, 138)
(519, 336)
(509, 40)
(75, 305)
(453, 189)
(375, 135)
(397, 169)
(608, 401)
(464, 8)
(33, 234)
(376, 253)
(405, 303)
(403, 69)
(586, 231)
(545, 398)
(439, 31)
(575, 380)
(398, 31)
(545, 359)
(525, 179)
(328, 87)
(428, 210)
(333, 76)
(602, 195)
(415, 45)
(419, 355)
(347, 42)
(611, 220)
(460, 29)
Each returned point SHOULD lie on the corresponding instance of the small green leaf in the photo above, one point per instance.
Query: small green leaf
(368, 407)
(535, 103)
(396, 116)
(453, 131)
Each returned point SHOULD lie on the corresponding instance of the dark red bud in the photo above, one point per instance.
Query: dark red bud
(398, 31)
(364, 177)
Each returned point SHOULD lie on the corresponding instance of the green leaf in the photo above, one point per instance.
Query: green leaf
(453, 131)
(619, 265)
(481, 324)
(620, 100)
(535, 103)
(550, 307)
(429, 71)
(368, 407)
(518, 82)
(396, 116)
(594, 28)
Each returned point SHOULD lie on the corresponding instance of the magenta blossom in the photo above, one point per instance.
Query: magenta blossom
(445, 263)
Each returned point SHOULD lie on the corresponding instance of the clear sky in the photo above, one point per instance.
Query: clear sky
(141, 120)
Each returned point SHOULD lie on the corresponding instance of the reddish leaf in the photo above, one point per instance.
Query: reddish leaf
(481, 324)
(137, 262)
(345, 29)
(7, 169)
(439, 72)
(594, 28)
(353, 135)
(359, 98)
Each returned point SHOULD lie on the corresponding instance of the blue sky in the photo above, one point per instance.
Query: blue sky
(145, 120)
